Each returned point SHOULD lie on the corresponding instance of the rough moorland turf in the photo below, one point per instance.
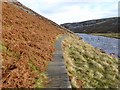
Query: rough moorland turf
(88, 67)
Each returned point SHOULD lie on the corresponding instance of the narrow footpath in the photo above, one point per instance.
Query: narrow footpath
(57, 71)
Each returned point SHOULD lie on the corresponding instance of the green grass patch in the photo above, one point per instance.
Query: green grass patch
(9, 52)
(33, 67)
(2, 48)
(42, 78)
(111, 35)
(40, 82)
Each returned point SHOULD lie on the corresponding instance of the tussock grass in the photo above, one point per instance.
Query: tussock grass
(88, 65)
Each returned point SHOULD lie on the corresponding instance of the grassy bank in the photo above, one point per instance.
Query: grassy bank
(87, 66)
(111, 35)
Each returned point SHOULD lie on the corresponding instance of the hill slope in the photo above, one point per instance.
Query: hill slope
(107, 25)
(28, 45)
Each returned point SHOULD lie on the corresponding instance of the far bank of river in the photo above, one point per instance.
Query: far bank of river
(109, 45)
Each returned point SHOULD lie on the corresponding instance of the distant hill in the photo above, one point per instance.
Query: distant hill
(106, 25)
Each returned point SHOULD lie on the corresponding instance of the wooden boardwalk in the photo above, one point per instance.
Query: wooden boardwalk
(57, 71)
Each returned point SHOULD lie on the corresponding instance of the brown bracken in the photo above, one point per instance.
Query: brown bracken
(27, 38)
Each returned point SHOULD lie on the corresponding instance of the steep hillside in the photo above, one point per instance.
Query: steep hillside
(107, 25)
(27, 45)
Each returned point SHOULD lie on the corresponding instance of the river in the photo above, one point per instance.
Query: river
(109, 45)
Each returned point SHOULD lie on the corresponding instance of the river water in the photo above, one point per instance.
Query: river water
(109, 45)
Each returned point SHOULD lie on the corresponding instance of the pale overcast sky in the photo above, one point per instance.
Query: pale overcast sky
(64, 11)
